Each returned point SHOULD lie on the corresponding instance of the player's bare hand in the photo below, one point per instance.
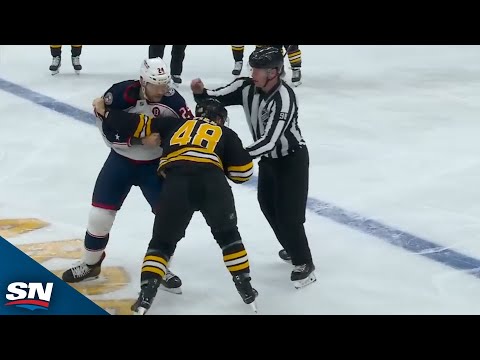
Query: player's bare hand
(197, 86)
(152, 140)
(99, 106)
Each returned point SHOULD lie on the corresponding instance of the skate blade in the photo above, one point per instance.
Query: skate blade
(84, 280)
(55, 72)
(140, 311)
(287, 261)
(296, 84)
(253, 305)
(305, 282)
(77, 72)
(177, 291)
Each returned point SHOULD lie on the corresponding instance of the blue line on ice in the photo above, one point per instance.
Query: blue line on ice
(355, 221)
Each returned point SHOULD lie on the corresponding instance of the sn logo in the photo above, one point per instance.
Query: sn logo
(19, 297)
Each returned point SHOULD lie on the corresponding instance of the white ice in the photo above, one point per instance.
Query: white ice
(393, 135)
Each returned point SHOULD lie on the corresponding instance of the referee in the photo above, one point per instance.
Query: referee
(272, 114)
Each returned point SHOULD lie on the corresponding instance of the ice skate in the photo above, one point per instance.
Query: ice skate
(76, 64)
(245, 289)
(296, 76)
(177, 80)
(82, 272)
(56, 64)
(171, 283)
(303, 275)
(147, 295)
(284, 256)
(237, 70)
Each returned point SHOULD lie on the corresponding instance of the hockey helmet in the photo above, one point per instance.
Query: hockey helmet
(268, 57)
(213, 110)
(154, 71)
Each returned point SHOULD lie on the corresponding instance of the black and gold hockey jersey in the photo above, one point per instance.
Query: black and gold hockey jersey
(189, 142)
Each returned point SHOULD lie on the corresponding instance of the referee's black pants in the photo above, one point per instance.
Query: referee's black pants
(178, 55)
(282, 195)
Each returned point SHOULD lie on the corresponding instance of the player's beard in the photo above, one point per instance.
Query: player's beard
(155, 98)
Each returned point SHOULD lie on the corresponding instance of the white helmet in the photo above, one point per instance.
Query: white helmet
(154, 71)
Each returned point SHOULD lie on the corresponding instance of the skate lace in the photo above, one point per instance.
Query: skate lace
(80, 270)
(300, 268)
(76, 60)
(56, 61)
(168, 275)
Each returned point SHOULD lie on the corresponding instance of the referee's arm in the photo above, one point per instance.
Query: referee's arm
(228, 95)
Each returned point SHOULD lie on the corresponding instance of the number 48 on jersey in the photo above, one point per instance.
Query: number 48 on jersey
(199, 133)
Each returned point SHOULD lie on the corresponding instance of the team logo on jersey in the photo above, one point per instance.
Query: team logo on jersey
(264, 116)
(156, 111)
(108, 98)
(37, 297)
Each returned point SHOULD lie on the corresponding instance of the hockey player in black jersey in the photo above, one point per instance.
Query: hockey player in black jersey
(198, 156)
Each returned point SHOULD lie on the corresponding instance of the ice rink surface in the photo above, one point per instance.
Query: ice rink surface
(394, 208)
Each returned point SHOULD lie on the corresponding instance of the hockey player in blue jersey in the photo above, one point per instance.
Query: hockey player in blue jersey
(131, 162)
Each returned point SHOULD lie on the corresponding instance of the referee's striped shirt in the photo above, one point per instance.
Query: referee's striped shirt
(272, 117)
